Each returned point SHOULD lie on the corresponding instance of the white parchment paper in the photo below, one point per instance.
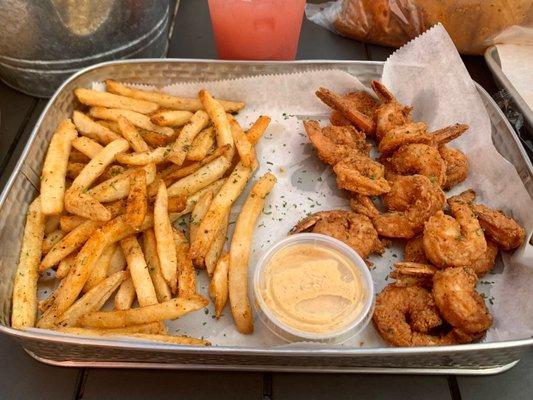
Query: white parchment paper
(428, 74)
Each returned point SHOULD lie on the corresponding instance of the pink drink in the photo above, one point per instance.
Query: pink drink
(257, 29)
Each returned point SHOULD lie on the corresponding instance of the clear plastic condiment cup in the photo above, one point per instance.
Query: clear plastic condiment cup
(289, 333)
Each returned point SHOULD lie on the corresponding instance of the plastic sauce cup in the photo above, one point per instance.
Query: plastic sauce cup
(289, 333)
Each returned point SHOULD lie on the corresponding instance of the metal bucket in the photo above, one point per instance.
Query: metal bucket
(43, 42)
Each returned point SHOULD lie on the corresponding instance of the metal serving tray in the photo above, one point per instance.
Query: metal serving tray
(480, 358)
(493, 61)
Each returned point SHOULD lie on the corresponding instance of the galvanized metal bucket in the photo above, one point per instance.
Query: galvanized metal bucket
(44, 42)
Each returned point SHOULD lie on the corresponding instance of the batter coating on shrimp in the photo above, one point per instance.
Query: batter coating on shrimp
(391, 113)
(354, 229)
(361, 101)
(361, 174)
(456, 166)
(414, 250)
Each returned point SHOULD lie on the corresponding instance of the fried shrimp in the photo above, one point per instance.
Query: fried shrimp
(390, 114)
(414, 132)
(454, 241)
(504, 231)
(361, 101)
(454, 290)
(414, 251)
(404, 316)
(419, 159)
(361, 174)
(456, 166)
(485, 263)
(418, 203)
(354, 229)
(413, 274)
(449, 133)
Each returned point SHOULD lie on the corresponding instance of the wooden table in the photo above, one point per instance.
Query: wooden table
(21, 377)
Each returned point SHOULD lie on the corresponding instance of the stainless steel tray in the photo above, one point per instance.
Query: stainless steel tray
(493, 61)
(480, 358)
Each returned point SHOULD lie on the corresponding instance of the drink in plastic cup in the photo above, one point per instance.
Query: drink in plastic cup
(257, 29)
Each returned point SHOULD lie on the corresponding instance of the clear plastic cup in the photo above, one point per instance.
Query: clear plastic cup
(289, 333)
(256, 29)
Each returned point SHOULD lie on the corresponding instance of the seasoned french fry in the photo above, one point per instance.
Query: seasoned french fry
(84, 205)
(24, 311)
(193, 199)
(171, 118)
(76, 156)
(93, 300)
(99, 271)
(157, 155)
(110, 172)
(257, 129)
(240, 253)
(243, 145)
(74, 169)
(69, 222)
(137, 203)
(181, 146)
(218, 116)
(151, 328)
(125, 295)
(180, 340)
(144, 288)
(70, 242)
(112, 125)
(166, 249)
(201, 178)
(202, 145)
(198, 213)
(155, 139)
(177, 204)
(51, 224)
(186, 272)
(131, 134)
(112, 232)
(87, 146)
(167, 101)
(137, 119)
(171, 309)
(118, 186)
(103, 99)
(117, 263)
(221, 204)
(55, 168)
(149, 247)
(92, 129)
(64, 266)
(51, 239)
(213, 254)
(218, 287)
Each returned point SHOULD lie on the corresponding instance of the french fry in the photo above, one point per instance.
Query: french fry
(151, 328)
(51, 239)
(117, 263)
(179, 340)
(137, 203)
(99, 271)
(118, 186)
(202, 145)
(93, 300)
(201, 178)
(87, 146)
(218, 287)
(171, 309)
(69, 222)
(84, 205)
(76, 156)
(218, 116)
(166, 249)
(125, 295)
(110, 172)
(137, 119)
(155, 139)
(243, 145)
(171, 118)
(213, 254)
(167, 101)
(103, 99)
(131, 134)
(24, 311)
(257, 129)
(92, 129)
(112, 125)
(186, 272)
(149, 247)
(181, 146)
(157, 155)
(193, 199)
(177, 204)
(74, 169)
(51, 224)
(198, 213)
(112, 232)
(70, 242)
(64, 266)
(240, 253)
(221, 204)
(140, 275)
(55, 168)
